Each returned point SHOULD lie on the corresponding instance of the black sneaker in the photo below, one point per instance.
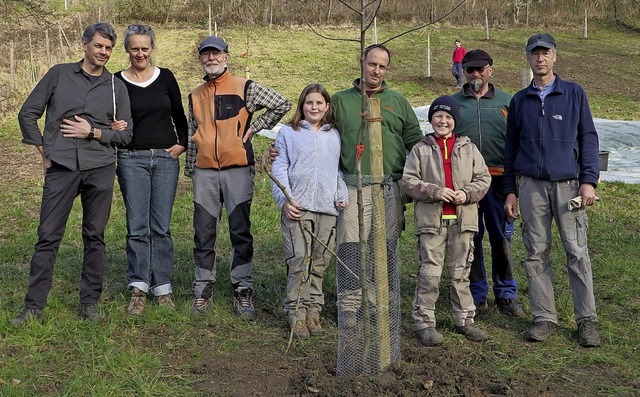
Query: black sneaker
(91, 312)
(27, 315)
(540, 331)
(243, 304)
(200, 306)
(482, 306)
(510, 307)
(588, 333)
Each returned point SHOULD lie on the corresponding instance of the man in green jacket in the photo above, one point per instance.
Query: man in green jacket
(483, 118)
(400, 131)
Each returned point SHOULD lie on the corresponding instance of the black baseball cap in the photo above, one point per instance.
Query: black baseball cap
(476, 59)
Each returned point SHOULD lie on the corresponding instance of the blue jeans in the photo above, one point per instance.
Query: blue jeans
(148, 181)
(492, 218)
(456, 71)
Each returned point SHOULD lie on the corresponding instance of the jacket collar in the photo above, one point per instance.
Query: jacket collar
(106, 75)
(356, 85)
(558, 87)
(218, 79)
(467, 91)
(306, 125)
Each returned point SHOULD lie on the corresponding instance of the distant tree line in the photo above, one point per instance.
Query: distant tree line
(333, 12)
(294, 12)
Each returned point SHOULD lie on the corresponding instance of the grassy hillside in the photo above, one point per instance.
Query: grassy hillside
(166, 353)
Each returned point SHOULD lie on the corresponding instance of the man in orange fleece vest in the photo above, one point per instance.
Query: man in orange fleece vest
(220, 160)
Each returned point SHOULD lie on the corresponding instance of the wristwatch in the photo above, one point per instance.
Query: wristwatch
(90, 135)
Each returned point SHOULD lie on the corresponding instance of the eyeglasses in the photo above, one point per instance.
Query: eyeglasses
(139, 28)
(478, 69)
(216, 54)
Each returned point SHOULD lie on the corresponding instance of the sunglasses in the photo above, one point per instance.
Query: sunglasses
(139, 28)
(478, 69)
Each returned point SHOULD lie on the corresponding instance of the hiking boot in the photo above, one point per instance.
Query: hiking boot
(348, 319)
(313, 325)
(482, 306)
(27, 315)
(91, 312)
(200, 306)
(299, 328)
(243, 304)
(472, 332)
(588, 333)
(136, 304)
(540, 331)
(430, 337)
(165, 301)
(510, 307)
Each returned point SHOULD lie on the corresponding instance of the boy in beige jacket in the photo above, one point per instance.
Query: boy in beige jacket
(446, 176)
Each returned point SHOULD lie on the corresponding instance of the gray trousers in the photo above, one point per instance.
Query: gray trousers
(212, 189)
(349, 284)
(310, 256)
(61, 187)
(540, 202)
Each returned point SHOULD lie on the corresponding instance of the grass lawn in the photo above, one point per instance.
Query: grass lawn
(168, 353)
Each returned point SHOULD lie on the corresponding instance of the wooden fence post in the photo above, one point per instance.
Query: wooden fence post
(585, 33)
(12, 67)
(380, 237)
(47, 44)
(375, 30)
(32, 65)
(63, 50)
(270, 14)
(427, 72)
(486, 24)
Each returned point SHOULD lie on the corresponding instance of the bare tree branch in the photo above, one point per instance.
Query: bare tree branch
(344, 3)
(375, 13)
(16, 11)
(426, 24)
(306, 21)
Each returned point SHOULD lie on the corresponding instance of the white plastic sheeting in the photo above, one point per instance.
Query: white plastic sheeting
(620, 138)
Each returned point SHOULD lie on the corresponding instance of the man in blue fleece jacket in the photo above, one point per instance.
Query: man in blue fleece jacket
(552, 146)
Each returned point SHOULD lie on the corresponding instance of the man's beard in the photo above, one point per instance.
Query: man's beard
(476, 85)
(215, 72)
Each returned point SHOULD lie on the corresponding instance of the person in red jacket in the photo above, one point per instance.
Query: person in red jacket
(456, 70)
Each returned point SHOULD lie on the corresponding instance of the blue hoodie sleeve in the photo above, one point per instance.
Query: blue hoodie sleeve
(279, 169)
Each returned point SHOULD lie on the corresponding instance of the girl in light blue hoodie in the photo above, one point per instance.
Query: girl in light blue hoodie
(307, 169)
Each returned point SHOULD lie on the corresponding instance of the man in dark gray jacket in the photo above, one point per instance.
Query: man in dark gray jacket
(78, 152)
